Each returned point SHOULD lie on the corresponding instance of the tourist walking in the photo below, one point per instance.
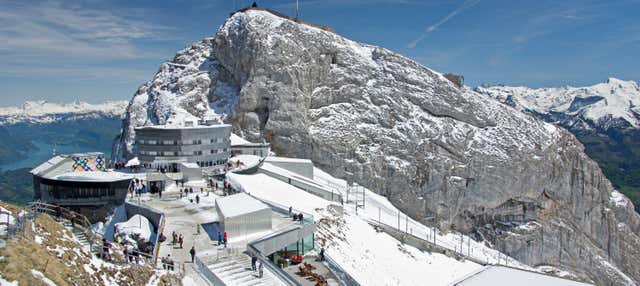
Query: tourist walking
(174, 238)
(301, 218)
(260, 269)
(193, 253)
(254, 259)
(322, 254)
(180, 240)
(197, 199)
(224, 239)
(219, 238)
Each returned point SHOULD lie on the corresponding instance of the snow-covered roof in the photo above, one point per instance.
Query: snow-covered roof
(179, 127)
(273, 190)
(239, 204)
(55, 160)
(190, 165)
(47, 165)
(133, 162)
(506, 276)
(237, 141)
(287, 159)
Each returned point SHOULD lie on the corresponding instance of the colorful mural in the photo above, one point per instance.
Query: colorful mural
(84, 164)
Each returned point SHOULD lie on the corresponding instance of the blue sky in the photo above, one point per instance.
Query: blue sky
(101, 50)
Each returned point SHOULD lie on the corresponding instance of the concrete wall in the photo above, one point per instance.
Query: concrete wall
(261, 150)
(279, 240)
(298, 166)
(247, 224)
(309, 187)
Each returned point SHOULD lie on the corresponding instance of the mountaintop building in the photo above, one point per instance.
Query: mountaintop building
(165, 147)
(79, 180)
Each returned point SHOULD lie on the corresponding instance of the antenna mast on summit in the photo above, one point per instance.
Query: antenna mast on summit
(297, 9)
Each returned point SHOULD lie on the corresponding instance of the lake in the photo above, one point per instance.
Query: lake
(45, 152)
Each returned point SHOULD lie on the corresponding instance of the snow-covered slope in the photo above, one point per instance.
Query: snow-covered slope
(404, 131)
(614, 103)
(47, 112)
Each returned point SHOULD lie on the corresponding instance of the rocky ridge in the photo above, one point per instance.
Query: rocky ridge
(434, 149)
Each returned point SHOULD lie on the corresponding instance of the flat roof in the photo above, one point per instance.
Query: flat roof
(55, 160)
(190, 165)
(237, 141)
(239, 204)
(287, 159)
(278, 192)
(181, 127)
(507, 276)
(94, 176)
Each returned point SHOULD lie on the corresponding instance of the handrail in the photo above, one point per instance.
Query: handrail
(342, 275)
(83, 222)
(283, 276)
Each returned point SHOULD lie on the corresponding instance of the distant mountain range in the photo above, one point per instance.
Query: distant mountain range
(605, 117)
(77, 124)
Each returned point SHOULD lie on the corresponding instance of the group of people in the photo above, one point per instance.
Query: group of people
(296, 217)
(259, 267)
(222, 238)
(176, 239)
(131, 255)
(167, 262)
(137, 187)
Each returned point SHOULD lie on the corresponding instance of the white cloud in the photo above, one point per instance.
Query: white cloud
(54, 28)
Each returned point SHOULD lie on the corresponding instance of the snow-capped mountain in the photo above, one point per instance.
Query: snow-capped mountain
(612, 104)
(47, 112)
(444, 154)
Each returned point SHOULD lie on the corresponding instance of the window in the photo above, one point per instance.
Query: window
(167, 142)
(151, 142)
(152, 153)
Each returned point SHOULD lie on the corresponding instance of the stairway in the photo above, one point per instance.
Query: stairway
(236, 271)
(79, 235)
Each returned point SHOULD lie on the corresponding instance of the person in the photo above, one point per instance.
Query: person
(165, 263)
(224, 238)
(197, 199)
(105, 250)
(290, 210)
(174, 238)
(180, 240)
(219, 238)
(181, 193)
(260, 269)
(254, 259)
(197, 228)
(125, 252)
(190, 190)
(300, 218)
(322, 253)
(72, 218)
(193, 253)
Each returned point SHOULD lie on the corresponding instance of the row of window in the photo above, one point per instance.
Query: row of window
(177, 153)
(179, 142)
(203, 164)
(58, 192)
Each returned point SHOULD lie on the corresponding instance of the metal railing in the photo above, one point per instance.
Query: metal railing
(77, 220)
(280, 274)
(343, 276)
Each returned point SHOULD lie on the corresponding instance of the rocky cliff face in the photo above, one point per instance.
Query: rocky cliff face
(405, 131)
